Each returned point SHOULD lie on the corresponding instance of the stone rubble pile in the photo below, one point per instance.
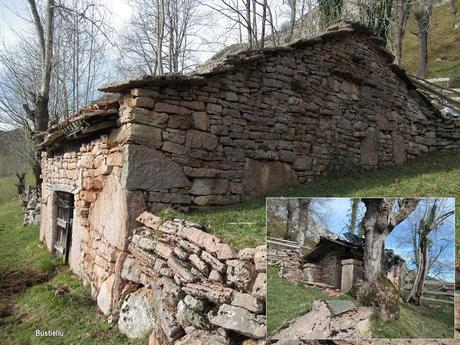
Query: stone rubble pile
(196, 289)
(31, 206)
(326, 321)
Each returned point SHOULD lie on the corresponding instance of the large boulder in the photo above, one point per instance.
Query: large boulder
(137, 317)
(313, 325)
(382, 296)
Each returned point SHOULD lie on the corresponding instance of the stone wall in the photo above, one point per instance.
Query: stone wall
(180, 283)
(269, 118)
(331, 270)
(103, 211)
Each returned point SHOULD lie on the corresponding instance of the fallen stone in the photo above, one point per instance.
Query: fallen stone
(240, 274)
(104, 298)
(137, 317)
(313, 325)
(194, 303)
(260, 258)
(150, 220)
(212, 292)
(199, 264)
(215, 276)
(166, 315)
(259, 288)
(247, 254)
(200, 337)
(187, 317)
(340, 306)
(212, 261)
(189, 247)
(183, 272)
(247, 301)
(240, 321)
(353, 325)
(225, 251)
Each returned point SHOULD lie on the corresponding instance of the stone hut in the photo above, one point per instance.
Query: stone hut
(252, 122)
(338, 263)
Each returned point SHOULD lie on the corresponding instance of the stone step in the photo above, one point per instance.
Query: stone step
(317, 285)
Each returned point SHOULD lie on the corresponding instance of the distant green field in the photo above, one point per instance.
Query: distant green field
(443, 43)
(8, 190)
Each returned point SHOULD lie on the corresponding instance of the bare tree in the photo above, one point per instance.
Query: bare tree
(44, 29)
(381, 217)
(422, 14)
(434, 215)
(401, 14)
(160, 37)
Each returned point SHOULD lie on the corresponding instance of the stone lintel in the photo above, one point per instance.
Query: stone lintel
(351, 262)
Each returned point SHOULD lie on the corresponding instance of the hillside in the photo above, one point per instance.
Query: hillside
(444, 44)
(13, 149)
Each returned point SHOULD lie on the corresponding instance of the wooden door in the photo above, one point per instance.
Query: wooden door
(64, 205)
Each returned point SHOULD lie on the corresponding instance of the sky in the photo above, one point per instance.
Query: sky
(338, 209)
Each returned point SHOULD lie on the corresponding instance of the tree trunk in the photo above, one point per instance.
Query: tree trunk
(377, 291)
(292, 219)
(423, 52)
(402, 14)
(415, 295)
(304, 214)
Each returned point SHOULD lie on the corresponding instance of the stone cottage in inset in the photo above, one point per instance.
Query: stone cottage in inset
(253, 122)
(338, 263)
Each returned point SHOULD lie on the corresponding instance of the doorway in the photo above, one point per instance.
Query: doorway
(64, 218)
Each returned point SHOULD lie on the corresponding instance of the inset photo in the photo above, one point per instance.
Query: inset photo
(360, 268)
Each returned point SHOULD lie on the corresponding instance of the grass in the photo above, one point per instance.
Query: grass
(443, 42)
(433, 175)
(418, 322)
(286, 301)
(8, 189)
(29, 276)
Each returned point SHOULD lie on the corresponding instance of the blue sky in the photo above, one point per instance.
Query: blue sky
(336, 217)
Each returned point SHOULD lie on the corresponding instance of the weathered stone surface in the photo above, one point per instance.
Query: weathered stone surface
(150, 170)
(198, 139)
(194, 303)
(225, 251)
(247, 301)
(239, 320)
(201, 337)
(144, 135)
(171, 109)
(353, 325)
(166, 315)
(131, 271)
(179, 269)
(212, 261)
(240, 274)
(136, 315)
(260, 258)
(261, 177)
(188, 317)
(212, 292)
(313, 325)
(246, 254)
(338, 306)
(200, 238)
(200, 121)
(206, 186)
(149, 219)
(199, 264)
(104, 298)
(215, 276)
(259, 288)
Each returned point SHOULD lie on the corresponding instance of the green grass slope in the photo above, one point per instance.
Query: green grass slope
(443, 42)
(434, 174)
(29, 277)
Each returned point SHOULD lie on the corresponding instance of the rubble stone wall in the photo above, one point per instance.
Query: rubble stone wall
(103, 210)
(197, 286)
(276, 117)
